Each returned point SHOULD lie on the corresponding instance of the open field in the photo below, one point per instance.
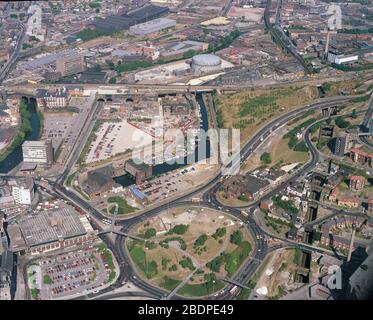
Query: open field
(201, 241)
(248, 110)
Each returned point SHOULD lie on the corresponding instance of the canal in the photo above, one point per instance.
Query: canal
(162, 168)
(15, 157)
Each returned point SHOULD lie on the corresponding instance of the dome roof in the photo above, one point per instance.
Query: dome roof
(206, 60)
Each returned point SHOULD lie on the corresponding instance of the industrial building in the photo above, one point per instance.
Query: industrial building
(51, 230)
(22, 190)
(338, 58)
(70, 64)
(205, 63)
(147, 13)
(140, 172)
(40, 152)
(152, 26)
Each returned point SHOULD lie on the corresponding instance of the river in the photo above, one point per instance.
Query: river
(15, 157)
(159, 169)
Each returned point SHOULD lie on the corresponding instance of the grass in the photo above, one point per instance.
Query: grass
(34, 293)
(138, 255)
(202, 289)
(47, 279)
(123, 206)
(169, 283)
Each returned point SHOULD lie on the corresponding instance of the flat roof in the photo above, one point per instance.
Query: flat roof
(50, 226)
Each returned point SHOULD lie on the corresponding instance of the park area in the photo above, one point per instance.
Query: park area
(196, 245)
(119, 205)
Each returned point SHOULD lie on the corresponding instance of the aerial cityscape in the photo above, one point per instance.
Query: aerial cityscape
(186, 150)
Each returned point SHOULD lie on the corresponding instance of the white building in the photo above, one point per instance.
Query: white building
(334, 57)
(22, 190)
(38, 152)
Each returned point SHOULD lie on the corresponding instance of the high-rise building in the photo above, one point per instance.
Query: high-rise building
(341, 144)
(70, 64)
(38, 152)
(22, 190)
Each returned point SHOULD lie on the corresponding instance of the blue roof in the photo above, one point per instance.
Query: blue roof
(136, 192)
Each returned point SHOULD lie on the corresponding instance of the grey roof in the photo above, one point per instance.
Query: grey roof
(147, 12)
(112, 23)
(46, 227)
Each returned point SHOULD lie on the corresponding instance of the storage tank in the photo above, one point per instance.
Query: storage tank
(204, 63)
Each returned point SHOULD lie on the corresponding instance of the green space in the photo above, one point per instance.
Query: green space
(243, 197)
(138, 255)
(187, 263)
(245, 292)
(47, 279)
(292, 135)
(200, 241)
(266, 158)
(123, 206)
(89, 34)
(169, 283)
(224, 41)
(286, 205)
(178, 229)
(203, 289)
(108, 258)
(164, 243)
(219, 233)
(34, 293)
(297, 260)
(24, 129)
(151, 232)
(133, 65)
(360, 67)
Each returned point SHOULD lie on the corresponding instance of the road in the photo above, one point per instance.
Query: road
(260, 245)
(15, 54)
(366, 121)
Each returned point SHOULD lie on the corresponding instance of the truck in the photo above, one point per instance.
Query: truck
(196, 199)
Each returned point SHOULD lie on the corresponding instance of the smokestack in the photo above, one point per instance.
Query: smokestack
(327, 44)
(351, 243)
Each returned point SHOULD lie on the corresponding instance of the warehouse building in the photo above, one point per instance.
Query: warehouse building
(152, 26)
(140, 172)
(47, 231)
(147, 13)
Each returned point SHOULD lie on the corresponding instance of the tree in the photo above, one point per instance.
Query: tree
(97, 68)
(354, 114)
(236, 237)
(266, 158)
(113, 80)
(342, 123)
(188, 54)
(151, 232)
(180, 228)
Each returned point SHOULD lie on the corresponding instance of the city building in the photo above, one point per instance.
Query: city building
(205, 63)
(99, 181)
(52, 99)
(350, 202)
(50, 230)
(357, 182)
(40, 152)
(361, 156)
(22, 190)
(341, 144)
(152, 26)
(70, 64)
(337, 58)
(140, 172)
(245, 185)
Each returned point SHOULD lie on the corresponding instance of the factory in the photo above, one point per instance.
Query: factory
(152, 26)
(338, 58)
(205, 63)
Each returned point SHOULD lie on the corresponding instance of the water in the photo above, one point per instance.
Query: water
(162, 168)
(15, 157)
